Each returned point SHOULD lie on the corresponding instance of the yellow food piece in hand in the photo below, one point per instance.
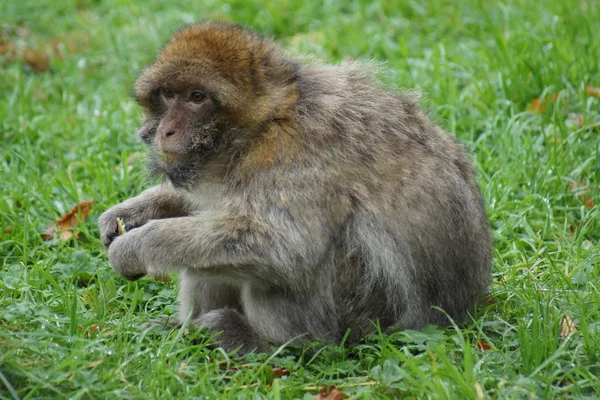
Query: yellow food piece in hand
(121, 226)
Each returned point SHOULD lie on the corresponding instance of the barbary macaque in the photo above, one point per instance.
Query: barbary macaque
(298, 200)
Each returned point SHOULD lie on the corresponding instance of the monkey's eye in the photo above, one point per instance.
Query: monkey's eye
(167, 93)
(197, 97)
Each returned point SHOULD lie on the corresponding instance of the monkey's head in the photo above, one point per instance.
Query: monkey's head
(212, 89)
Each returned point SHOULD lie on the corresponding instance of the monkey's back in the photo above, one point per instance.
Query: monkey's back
(417, 233)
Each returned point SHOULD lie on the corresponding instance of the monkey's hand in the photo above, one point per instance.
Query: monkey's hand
(155, 203)
(124, 256)
(109, 225)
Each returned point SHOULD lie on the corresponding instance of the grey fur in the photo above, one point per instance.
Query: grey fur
(348, 207)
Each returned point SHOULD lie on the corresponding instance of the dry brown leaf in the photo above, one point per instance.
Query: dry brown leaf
(65, 235)
(73, 217)
(482, 344)
(332, 394)
(4, 48)
(36, 60)
(592, 91)
(281, 372)
(567, 326)
(69, 220)
(573, 228)
(94, 328)
(539, 105)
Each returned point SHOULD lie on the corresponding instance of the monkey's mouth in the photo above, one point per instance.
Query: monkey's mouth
(171, 158)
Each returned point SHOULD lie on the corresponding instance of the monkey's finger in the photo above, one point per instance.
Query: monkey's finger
(109, 238)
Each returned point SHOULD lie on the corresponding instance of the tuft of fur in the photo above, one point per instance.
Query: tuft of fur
(329, 202)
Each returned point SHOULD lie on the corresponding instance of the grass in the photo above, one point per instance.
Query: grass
(69, 326)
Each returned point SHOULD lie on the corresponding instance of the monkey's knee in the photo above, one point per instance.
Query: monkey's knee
(235, 332)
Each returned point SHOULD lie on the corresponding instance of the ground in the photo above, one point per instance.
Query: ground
(516, 81)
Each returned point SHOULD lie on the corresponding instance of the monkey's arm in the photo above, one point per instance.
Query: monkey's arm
(158, 202)
(279, 247)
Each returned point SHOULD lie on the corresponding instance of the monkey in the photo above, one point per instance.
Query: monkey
(299, 201)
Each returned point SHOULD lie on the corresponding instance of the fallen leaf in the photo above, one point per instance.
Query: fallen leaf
(65, 235)
(567, 326)
(592, 91)
(482, 344)
(36, 60)
(69, 220)
(573, 228)
(94, 328)
(4, 48)
(332, 394)
(281, 372)
(539, 105)
(72, 218)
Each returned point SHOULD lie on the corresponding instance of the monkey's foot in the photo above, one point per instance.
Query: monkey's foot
(236, 333)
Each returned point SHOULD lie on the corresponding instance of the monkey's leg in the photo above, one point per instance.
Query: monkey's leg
(272, 316)
(282, 317)
(199, 294)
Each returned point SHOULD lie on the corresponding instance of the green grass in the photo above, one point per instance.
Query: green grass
(69, 326)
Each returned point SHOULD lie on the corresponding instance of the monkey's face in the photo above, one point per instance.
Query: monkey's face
(209, 93)
(182, 130)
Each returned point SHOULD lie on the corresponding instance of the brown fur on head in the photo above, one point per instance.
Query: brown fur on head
(246, 74)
